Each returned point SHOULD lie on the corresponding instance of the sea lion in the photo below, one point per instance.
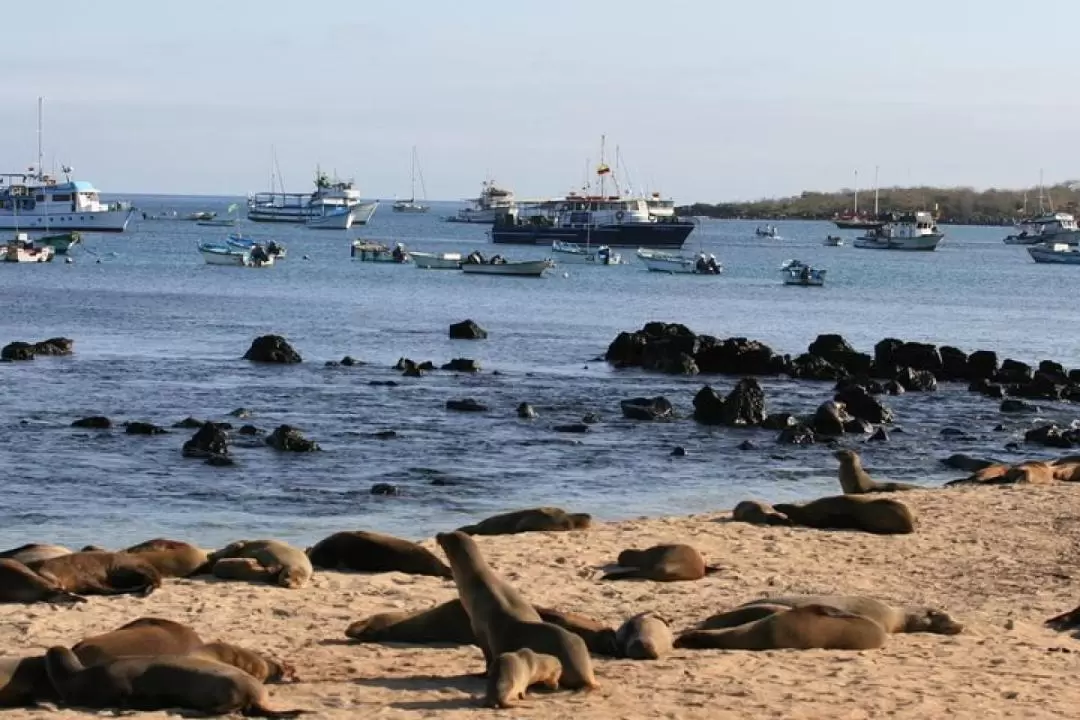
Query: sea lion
(514, 672)
(662, 563)
(245, 569)
(32, 552)
(854, 480)
(294, 567)
(1066, 620)
(159, 683)
(644, 637)
(262, 668)
(990, 475)
(373, 552)
(503, 621)
(852, 512)
(145, 636)
(598, 637)
(803, 628)
(100, 573)
(893, 619)
(172, 558)
(18, 583)
(541, 519)
(756, 512)
(24, 681)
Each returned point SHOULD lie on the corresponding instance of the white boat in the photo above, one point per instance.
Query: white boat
(679, 263)
(574, 253)
(361, 214)
(833, 241)
(903, 231)
(372, 251)
(210, 219)
(21, 249)
(476, 264)
(484, 209)
(336, 219)
(1059, 253)
(34, 200)
(436, 261)
(1051, 228)
(273, 248)
(768, 231)
(330, 195)
(796, 272)
(228, 255)
(410, 205)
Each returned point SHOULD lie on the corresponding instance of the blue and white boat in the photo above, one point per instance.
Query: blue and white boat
(240, 242)
(226, 254)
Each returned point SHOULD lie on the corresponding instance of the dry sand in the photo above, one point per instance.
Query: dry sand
(1000, 559)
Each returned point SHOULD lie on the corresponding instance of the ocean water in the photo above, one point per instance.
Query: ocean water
(159, 336)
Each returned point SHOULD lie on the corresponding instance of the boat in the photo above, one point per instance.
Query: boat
(372, 251)
(903, 231)
(330, 195)
(855, 220)
(273, 248)
(22, 249)
(361, 214)
(679, 263)
(568, 252)
(436, 261)
(476, 264)
(336, 219)
(1057, 253)
(796, 272)
(768, 231)
(493, 200)
(211, 219)
(59, 242)
(35, 200)
(410, 205)
(256, 256)
(833, 241)
(1047, 229)
(201, 216)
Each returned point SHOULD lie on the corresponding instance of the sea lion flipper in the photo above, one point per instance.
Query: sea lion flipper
(1065, 620)
(711, 569)
(623, 573)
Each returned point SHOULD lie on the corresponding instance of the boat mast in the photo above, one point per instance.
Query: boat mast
(602, 174)
(41, 157)
(875, 191)
(412, 180)
(856, 193)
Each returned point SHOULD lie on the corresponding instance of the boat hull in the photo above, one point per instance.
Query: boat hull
(923, 243)
(105, 221)
(26, 255)
(672, 264)
(60, 242)
(216, 223)
(333, 221)
(433, 261)
(361, 213)
(574, 254)
(521, 268)
(1054, 257)
(661, 234)
(858, 224)
(481, 217)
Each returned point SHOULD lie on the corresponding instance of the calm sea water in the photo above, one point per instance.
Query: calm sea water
(159, 336)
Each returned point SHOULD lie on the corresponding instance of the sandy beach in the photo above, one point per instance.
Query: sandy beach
(1001, 560)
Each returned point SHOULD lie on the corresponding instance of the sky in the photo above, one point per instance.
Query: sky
(708, 100)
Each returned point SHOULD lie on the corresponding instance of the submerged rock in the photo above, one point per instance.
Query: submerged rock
(96, 422)
(272, 349)
(288, 439)
(642, 408)
(467, 330)
(17, 351)
(466, 405)
(466, 365)
(572, 428)
(188, 423)
(525, 411)
(143, 428)
(207, 440)
(384, 489)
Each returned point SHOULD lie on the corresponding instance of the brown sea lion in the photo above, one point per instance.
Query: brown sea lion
(293, 566)
(756, 512)
(644, 637)
(662, 563)
(1030, 472)
(32, 552)
(541, 519)
(262, 668)
(18, 583)
(854, 480)
(145, 636)
(893, 619)
(803, 628)
(852, 512)
(989, 475)
(598, 637)
(503, 621)
(373, 552)
(245, 569)
(159, 683)
(24, 681)
(172, 558)
(515, 672)
(100, 573)
(1066, 620)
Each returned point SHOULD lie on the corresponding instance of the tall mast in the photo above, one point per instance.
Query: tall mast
(412, 181)
(40, 144)
(875, 191)
(856, 193)
(602, 138)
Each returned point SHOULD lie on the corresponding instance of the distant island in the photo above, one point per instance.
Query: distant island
(954, 206)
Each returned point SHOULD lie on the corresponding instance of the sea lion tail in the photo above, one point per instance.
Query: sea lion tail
(262, 711)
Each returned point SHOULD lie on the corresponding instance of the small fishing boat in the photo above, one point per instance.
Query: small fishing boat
(436, 261)
(915, 231)
(59, 242)
(21, 249)
(570, 252)
(273, 249)
(1055, 253)
(228, 221)
(256, 256)
(371, 251)
(476, 264)
(678, 263)
(833, 241)
(332, 219)
(797, 272)
(768, 231)
(201, 216)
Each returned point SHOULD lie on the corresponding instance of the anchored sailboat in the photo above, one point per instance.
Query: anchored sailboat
(410, 205)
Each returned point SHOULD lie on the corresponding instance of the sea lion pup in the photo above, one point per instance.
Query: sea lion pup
(514, 672)
(893, 619)
(852, 512)
(644, 637)
(854, 480)
(541, 519)
(24, 682)
(503, 621)
(662, 563)
(172, 558)
(159, 683)
(803, 628)
(145, 636)
(100, 573)
(262, 668)
(373, 552)
(18, 583)
(293, 568)
(756, 512)
(32, 552)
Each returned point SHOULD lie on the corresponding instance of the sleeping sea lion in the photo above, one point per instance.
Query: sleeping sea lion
(262, 668)
(598, 637)
(18, 583)
(893, 619)
(854, 480)
(503, 621)
(852, 512)
(662, 563)
(644, 637)
(159, 683)
(532, 520)
(514, 672)
(24, 681)
(100, 573)
(32, 552)
(172, 558)
(756, 512)
(803, 628)
(989, 475)
(145, 636)
(286, 565)
(373, 552)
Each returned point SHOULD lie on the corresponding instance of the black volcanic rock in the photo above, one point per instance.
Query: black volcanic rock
(272, 349)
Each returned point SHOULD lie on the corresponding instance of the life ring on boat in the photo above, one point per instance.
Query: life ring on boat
(620, 215)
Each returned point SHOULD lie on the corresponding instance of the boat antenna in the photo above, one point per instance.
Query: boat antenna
(875, 191)
(420, 172)
(603, 168)
(40, 151)
(856, 193)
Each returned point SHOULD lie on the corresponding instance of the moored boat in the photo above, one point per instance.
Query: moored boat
(273, 248)
(833, 241)
(1055, 253)
(21, 249)
(256, 256)
(568, 252)
(210, 219)
(330, 195)
(477, 264)
(361, 214)
(768, 231)
(338, 219)
(1058, 227)
(59, 242)
(372, 251)
(436, 261)
(679, 263)
(484, 209)
(796, 272)
(410, 205)
(903, 231)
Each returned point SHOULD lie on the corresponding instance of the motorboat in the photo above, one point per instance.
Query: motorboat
(679, 263)
(211, 219)
(256, 256)
(273, 248)
(201, 216)
(568, 252)
(796, 272)
(21, 249)
(484, 209)
(1059, 253)
(768, 231)
(477, 264)
(372, 251)
(903, 231)
(1058, 227)
(331, 219)
(436, 261)
(330, 196)
(833, 241)
(59, 242)
(361, 214)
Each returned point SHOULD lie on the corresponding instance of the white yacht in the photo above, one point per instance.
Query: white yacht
(484, 209)
(903, 231)
(410, 205)
(1050, 228)
(330, 197)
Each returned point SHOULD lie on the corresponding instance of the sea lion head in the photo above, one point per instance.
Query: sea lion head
(847, 456)
(280, 671)
(933, 621)
(292, 577)
(580, 521)
(630, 558)
(457, 545)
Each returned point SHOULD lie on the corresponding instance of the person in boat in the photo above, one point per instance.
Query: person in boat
(258, 255)
(604, 253)
(272, 248)
(475, 258)
(804, 274)
(497, 260)
(399, 253)
(713, 267)
(702, 264)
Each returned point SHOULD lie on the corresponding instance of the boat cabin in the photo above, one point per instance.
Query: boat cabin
(33, 195)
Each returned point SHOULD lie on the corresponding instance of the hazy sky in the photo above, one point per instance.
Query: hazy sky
(708, 100)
